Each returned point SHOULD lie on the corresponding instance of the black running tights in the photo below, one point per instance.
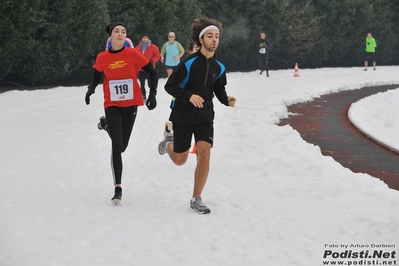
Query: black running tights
(263, 62)
(120, 121)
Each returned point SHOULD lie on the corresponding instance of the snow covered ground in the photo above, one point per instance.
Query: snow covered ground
(378, 117)
(275, 199)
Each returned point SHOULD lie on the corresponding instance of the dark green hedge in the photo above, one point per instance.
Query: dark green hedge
(55, 42)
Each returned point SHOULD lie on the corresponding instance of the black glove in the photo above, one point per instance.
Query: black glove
(90, 91)
(151, 102)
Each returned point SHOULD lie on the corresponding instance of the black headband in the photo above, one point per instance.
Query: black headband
(112, 25)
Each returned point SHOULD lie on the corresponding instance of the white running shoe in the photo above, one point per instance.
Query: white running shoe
(197, 204)
(168, 128)
(168, 137)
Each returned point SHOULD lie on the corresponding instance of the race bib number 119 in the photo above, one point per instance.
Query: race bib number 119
(121, 90)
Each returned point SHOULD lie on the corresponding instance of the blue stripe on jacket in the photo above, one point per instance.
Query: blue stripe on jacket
(183, 84)
(188, 65)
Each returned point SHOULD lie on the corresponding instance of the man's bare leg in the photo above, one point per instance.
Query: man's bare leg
(202, 169)
(177, 158)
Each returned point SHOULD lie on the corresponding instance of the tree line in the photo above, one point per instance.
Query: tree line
(48, 42)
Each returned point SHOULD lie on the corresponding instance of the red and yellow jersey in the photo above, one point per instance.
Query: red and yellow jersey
(120, 77)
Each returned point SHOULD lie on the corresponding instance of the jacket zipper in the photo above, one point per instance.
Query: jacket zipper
(207, 70)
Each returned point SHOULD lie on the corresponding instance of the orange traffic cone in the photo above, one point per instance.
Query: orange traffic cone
(194, 150)
(296, 71)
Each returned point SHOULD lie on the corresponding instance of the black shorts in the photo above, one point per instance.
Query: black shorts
(183, 133)
(369, 57)
(171, 67)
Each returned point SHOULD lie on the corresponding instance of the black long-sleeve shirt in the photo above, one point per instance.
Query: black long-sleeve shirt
(201, 76)
(263, 46)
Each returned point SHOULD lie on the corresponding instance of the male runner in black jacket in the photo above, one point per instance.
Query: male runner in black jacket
(193, 84)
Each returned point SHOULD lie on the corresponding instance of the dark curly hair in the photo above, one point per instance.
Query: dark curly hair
(190, 46)
(199, 24)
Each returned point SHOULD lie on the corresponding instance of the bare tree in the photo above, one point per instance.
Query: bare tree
(299, 36)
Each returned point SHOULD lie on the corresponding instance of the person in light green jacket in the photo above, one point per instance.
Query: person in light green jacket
(370, 51)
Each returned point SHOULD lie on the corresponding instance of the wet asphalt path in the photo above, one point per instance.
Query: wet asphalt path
(324, 122)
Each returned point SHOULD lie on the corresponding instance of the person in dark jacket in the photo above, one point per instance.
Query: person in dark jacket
(193, 85)
(263, 46)
(192, 47)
